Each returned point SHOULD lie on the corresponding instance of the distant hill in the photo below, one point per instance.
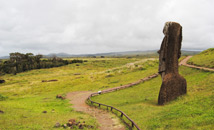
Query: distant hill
(101, 54)
(58, 55)
(4, 57)
(115, 54)
(118, 54)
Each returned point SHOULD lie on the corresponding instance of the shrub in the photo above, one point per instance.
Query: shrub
(2, 98)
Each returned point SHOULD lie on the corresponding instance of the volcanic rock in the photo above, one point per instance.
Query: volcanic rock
(173, 84)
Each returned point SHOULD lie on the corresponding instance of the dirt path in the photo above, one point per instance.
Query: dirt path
(125, 66)
(184, 62)
(106, 120)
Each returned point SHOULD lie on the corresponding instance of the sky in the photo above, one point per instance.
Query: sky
(97, 26)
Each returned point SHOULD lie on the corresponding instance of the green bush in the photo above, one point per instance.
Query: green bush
(2, 98)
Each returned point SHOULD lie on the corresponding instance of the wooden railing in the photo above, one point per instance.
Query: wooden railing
(122, 114)
(133, 124)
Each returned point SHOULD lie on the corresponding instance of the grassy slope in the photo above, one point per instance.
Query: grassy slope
(205, 58)
(28, 96)
(192, 111)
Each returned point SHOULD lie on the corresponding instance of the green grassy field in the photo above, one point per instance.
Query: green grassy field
(195, 110)
(27, 96)
(205, 58)
(24, 97)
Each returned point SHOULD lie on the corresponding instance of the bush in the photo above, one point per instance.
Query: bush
(2, 98)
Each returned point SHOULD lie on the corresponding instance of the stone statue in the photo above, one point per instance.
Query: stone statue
(173, 84)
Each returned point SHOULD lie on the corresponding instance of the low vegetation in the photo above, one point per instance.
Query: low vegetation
(28, 99)
(205, 59)
(2, 97)
(19, 62)
(32, 104)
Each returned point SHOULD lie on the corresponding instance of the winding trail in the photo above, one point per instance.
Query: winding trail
(184, 62)
(107, 120)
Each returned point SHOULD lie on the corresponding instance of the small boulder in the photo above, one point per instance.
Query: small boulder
(60, 96)
(57, 125)
(71, 122)
(90, 127)
(1, 111)
(64, 126)
(77, 123)
(44, 112)
(81, 126)
(2, 81)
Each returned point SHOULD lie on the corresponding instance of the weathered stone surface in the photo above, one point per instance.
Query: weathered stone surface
(173, 84)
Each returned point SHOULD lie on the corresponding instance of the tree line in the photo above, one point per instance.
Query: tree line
(19, 62)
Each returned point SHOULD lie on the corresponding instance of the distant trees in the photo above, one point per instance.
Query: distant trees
(23, 62)
(19, 62)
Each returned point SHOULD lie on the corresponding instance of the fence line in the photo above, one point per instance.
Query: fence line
(133, 124)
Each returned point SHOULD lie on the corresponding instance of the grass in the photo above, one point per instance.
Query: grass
(25, 97)
(205, 58)
(191, 111)
(2, 98)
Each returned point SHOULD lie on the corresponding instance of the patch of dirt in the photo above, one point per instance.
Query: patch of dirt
(106, 120)
(49, 80)
(184, 62)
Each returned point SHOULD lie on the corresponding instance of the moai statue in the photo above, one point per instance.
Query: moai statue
(173, 84)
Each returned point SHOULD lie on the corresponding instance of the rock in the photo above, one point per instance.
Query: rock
(71, 122)
(2, 81)
(77, 123)
(60, 96)
(81, 126)
(90, 126)
(1, 111)
(44, 112)
(57, 125)
(173, 84)
(64, 126)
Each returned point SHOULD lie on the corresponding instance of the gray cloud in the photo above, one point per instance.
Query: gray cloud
(94, 26)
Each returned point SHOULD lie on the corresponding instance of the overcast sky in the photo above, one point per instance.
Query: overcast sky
(95, 26)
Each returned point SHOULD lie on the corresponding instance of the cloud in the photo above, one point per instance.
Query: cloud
(94, 26)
